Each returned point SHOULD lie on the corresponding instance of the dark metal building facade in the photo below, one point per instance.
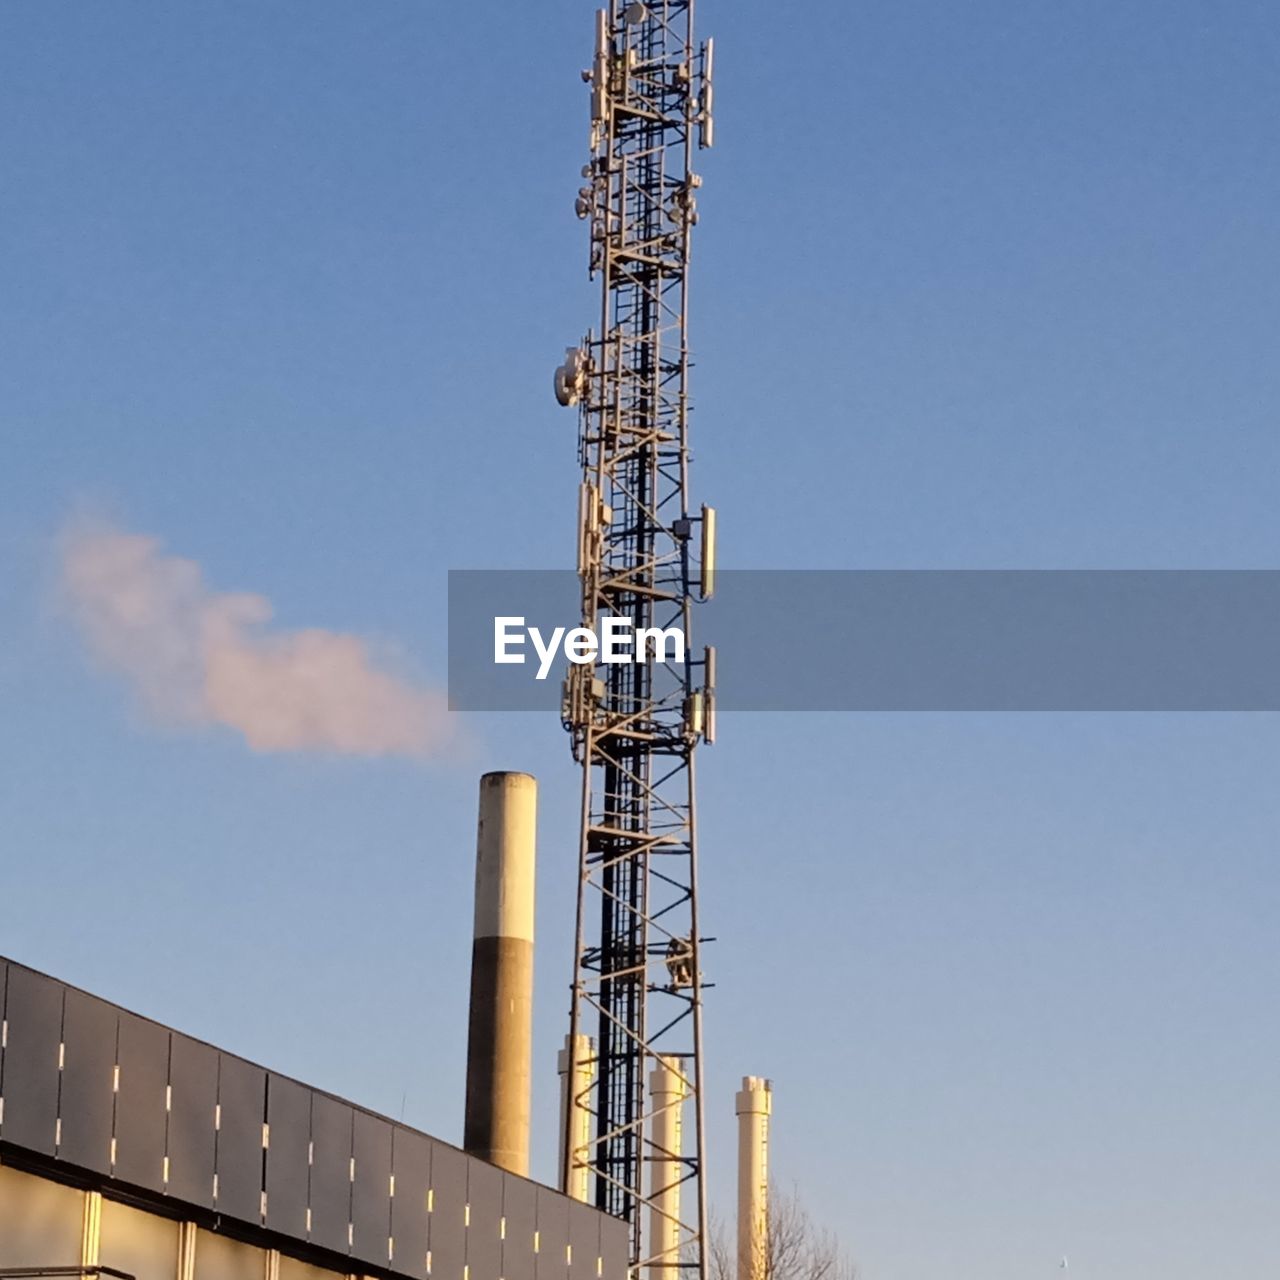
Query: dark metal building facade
(115, 1105)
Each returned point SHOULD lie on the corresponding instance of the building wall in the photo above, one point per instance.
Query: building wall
(93, 1093)
(43, 1223)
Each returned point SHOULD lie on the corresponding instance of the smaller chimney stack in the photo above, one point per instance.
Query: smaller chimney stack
(754, 1107)
(577, 1064)
(668, 1088)
(500, 1031)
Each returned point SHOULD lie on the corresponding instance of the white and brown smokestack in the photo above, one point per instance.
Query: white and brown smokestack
(754, 1107)
(500, 1031)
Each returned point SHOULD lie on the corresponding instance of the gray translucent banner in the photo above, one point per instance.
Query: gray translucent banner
(921, 640)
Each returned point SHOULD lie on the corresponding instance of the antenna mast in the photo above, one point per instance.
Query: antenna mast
(644, 555)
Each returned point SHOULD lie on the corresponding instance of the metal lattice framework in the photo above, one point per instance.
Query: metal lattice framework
(643, 555)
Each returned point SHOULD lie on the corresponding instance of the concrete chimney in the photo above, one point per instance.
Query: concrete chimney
(577, 1065)
(754, 1107)
(500, 1031)
(668, 1089)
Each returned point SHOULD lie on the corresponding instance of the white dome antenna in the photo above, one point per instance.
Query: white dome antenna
(571, 377)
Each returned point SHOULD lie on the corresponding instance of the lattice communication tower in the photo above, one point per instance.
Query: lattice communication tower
(645, 554)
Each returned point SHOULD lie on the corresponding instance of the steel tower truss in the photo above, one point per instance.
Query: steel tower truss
(644, 554)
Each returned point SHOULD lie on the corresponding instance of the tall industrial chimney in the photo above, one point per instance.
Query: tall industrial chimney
(577, 1064)
(500, 1030)
(754, 1107)
(668, 1088)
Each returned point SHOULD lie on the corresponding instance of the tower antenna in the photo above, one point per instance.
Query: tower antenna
(645, 554)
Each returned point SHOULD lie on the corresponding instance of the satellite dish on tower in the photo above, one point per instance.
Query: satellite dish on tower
(571, 377)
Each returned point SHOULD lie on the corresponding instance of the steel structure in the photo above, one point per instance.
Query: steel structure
(644, 554)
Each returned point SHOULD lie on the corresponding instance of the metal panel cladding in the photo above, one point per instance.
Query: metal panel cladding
(87, 1105)
(187, 1127)
(447, 1240)
(483, 1220)
(242, 1109)
(331, 1126)
(520, 1211)
(552, 1262)
(371, 1190)
(288, 1162)
(615, 1247)
(33, 1018)
(193, 1091)
(411, 1169)
(141, 1102)
(584, 1241)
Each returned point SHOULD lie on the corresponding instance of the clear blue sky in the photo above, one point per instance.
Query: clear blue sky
(978, 285)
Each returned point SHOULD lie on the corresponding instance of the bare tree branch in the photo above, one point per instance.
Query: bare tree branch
(795, 1248)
